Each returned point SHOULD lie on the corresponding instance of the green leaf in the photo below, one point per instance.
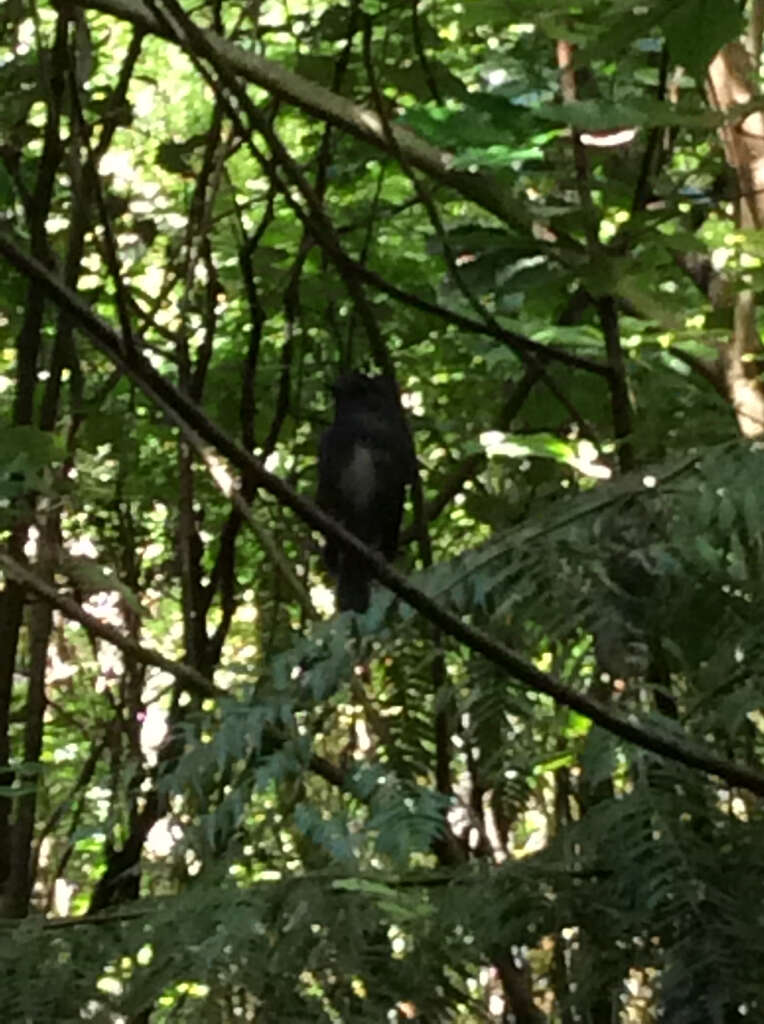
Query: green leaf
(520, 446)
(697, 29)
(483, 12)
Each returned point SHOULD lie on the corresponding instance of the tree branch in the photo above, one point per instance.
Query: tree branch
(192, 680)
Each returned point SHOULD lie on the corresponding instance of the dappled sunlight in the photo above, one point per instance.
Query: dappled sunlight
(481, 281)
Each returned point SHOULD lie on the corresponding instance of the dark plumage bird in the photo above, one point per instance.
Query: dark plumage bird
(366, 460)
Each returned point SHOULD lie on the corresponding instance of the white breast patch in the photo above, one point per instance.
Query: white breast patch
(357, 482)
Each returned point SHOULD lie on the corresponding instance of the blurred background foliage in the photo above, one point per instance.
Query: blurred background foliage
(544, 217)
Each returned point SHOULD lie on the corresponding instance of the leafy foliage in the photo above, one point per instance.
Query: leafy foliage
(362, 818)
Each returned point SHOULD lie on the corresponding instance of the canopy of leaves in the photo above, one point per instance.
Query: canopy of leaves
(523, 786)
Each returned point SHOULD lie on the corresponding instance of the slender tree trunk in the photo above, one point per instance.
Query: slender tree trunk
(731, 82)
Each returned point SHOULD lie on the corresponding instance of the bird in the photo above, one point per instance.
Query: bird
(366, 461)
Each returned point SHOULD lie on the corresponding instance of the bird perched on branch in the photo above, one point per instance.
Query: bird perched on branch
(366, 461)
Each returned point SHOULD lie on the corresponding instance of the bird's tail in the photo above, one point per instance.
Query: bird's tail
(353, 584)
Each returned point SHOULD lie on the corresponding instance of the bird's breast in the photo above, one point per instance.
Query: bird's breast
(358, 478)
